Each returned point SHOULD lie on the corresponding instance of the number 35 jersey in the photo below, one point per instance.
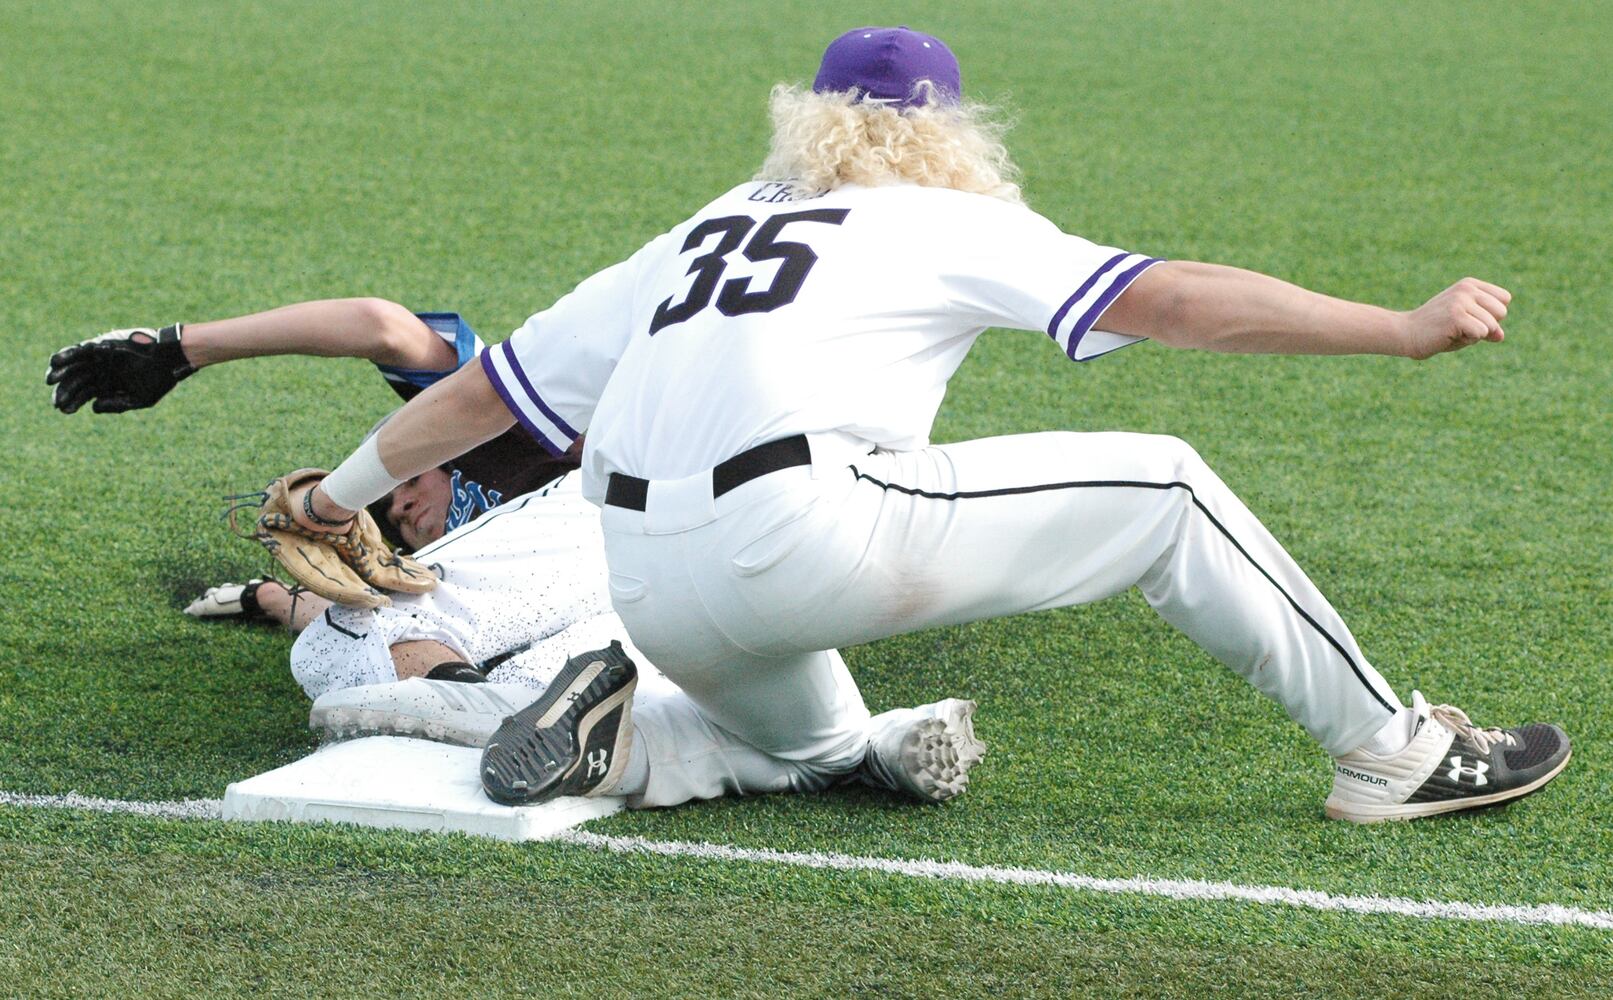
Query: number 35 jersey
(840, 316)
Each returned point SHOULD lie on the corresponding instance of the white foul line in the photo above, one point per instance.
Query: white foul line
(1181, 889)
(180, 809)
(1194, 889)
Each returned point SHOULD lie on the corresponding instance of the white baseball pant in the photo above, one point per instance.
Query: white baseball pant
(741, 600)
(528, 579)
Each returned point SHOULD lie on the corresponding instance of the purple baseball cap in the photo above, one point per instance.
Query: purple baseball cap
(887, 63)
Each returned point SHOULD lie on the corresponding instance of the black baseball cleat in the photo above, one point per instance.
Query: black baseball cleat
(1449, 765)
(572, 741)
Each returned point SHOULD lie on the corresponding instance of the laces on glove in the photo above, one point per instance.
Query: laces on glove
(353, 567)
(1457, 721)
(239, 502)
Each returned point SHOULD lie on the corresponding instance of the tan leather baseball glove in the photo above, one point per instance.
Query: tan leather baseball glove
(352, 568)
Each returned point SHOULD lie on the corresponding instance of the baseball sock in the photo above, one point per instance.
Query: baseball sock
(1394, 735)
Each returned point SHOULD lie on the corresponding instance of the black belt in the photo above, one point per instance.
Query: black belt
(785, 453)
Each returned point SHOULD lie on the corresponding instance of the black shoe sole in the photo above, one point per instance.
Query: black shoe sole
(573, 740)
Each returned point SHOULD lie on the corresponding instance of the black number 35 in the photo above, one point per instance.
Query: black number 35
(736, 297)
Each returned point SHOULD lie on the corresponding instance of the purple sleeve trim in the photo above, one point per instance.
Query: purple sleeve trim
(1092, 315)
(1086, 286)
(520, 374)
(486, 359)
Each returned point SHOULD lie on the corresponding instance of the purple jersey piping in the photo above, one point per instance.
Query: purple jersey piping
(520, 374)
(1092, 315)
(1086, 286)
(509, 401)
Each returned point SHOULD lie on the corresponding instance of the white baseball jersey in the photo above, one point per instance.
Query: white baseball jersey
(839, 316)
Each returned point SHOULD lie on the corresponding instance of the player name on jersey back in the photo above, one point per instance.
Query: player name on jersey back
(766, 314)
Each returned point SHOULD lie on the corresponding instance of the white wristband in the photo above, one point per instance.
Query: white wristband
(361, 479)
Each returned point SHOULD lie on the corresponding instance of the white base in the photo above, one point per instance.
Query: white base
(396, 783)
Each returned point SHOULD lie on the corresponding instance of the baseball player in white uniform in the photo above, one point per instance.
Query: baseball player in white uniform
(758, 387)
(523, 588)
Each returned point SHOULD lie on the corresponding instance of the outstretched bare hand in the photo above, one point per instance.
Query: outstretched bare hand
(1465, 313)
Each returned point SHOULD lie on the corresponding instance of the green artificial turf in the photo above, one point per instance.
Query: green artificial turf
(151, 908)
(185, 161)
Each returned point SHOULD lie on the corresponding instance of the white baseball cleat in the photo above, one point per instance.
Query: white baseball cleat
(1449, 765)
(228, 600)
(926, 751)
(445, 711)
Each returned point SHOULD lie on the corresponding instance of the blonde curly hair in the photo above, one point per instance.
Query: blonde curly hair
(821, 141)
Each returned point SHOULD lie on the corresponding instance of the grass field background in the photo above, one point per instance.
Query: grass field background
(183, 161)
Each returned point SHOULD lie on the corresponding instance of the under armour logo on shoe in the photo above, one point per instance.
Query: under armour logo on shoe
(1476, 772)
(597, 759)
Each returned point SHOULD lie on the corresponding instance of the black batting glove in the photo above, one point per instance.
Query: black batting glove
(121, 370)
